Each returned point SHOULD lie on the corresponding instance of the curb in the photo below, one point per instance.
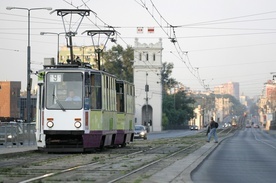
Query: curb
(180, 171)
(186, 175)
(13, 150)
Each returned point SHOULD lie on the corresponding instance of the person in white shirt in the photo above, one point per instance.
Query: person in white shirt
(72, 96)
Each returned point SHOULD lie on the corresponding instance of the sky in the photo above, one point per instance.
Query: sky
(217, 41)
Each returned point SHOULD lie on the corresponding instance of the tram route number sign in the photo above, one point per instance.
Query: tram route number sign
(55, 78)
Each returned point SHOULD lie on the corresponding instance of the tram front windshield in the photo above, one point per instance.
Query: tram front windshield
(64, 90)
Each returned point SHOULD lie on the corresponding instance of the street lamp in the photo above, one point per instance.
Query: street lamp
(43, 33)
(29, 84)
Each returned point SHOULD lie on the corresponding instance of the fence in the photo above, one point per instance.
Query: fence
(16, 134)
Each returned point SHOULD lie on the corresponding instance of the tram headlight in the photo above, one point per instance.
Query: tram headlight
(77, 124)
(50, 124)
(10, 136)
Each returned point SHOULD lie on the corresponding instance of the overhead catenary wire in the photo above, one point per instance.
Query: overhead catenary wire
(231, 18)
(149, 65)
(172, 36)
(201, 23)
(97, 21)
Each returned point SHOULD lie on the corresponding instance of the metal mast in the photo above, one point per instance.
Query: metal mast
(70, 31)
(98, 49)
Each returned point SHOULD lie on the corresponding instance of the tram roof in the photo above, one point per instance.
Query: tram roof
(75, 67)
(123, 81)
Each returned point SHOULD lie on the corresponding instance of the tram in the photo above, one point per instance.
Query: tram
(100, 114)
(80, 108)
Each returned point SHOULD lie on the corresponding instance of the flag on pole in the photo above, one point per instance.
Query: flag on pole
(140, 30)
(150, 29)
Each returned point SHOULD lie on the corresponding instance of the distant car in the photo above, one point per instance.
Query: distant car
(11, 133)
(193, 127)
(256, 126)
(225, 125)
(140, 131)
(248, 125)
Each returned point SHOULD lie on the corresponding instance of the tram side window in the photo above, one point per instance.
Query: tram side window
(96, 95)
(50, 95)
(87, 85)
(120, 97)
(107, 93)
(129, 98)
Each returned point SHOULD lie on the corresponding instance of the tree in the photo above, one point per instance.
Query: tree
(165, 120)
(176, 107)
(119, 62)
(166, 71)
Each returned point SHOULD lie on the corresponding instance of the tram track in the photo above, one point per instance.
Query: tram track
(130, 175)
(114, 165)
(151, 168)
(139, 159)
(39, 165)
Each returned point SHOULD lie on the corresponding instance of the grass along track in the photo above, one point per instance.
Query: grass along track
(107, 166)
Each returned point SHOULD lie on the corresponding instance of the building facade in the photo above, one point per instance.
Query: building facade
(86, 54)
(13, 102)
(10, 98)
(223, 108)
(267, 106)
(231, 88)
(147, 80)
(23, 107)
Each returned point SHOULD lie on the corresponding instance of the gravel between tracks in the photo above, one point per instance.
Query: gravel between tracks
(112, 163)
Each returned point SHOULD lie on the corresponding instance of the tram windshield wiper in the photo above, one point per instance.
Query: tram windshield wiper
(58, 102)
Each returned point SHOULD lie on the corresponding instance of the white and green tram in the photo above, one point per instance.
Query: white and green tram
(102, 114)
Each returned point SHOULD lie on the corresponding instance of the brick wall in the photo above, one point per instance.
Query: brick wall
(9, 98)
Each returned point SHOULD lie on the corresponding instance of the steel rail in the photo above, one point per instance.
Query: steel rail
(78, 167)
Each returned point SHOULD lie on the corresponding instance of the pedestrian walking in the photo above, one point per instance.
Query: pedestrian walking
(208, 130)
(213, 130)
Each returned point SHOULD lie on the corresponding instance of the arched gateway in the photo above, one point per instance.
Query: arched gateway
(147, 80)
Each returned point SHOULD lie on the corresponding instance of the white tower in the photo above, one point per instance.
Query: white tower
(147, 79)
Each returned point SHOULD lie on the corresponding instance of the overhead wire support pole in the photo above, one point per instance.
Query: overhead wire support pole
(147, 101)
(107, 33)
(58, 34)
(69, 32)
(29, 80)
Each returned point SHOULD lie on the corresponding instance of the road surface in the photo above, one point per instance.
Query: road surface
(248, 156)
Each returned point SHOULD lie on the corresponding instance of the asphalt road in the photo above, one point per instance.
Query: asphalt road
(171, 134)
(248, 156)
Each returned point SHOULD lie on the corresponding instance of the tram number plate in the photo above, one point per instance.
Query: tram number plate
(55, 78)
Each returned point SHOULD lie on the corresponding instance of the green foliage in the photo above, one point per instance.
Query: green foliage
(177, 107)
(165, 120)
(118, 61)
(166, 71)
